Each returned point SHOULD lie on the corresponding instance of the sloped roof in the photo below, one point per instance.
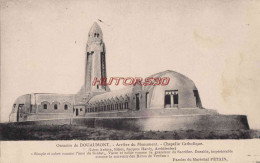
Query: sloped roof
(113, 94)
(96, 29)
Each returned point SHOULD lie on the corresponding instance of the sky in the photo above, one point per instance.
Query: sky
(214, 43)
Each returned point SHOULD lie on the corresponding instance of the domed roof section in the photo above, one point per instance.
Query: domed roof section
(22, 99)
(177, 80)
(179, 85)
(95, 31)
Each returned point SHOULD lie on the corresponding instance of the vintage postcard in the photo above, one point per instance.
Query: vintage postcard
(130, 81)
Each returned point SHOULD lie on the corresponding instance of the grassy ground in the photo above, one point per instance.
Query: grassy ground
(72, 132)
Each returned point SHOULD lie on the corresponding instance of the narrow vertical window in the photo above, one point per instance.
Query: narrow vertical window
(146, 99)
(126, 105)
(175, 99)
(197, 98)
(55, 106)
(167, 100)
(65, 107)
(45, 106)
(137, 101)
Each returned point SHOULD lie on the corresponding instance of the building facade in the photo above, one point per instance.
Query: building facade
(93, 100)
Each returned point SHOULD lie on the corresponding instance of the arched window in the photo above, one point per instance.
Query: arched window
(65, 107)
(97, 34)
(45, 106)
(55, 106)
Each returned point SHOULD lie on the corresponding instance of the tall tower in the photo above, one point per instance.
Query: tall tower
(95, 61)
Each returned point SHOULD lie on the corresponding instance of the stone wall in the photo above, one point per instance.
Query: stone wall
(47, 122)
(201, 122)
(80, 109)
(60, 100)
(46, 116)
(170, 123)
(153, 112)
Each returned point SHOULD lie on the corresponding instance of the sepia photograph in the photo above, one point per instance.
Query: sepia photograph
(130, 70)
